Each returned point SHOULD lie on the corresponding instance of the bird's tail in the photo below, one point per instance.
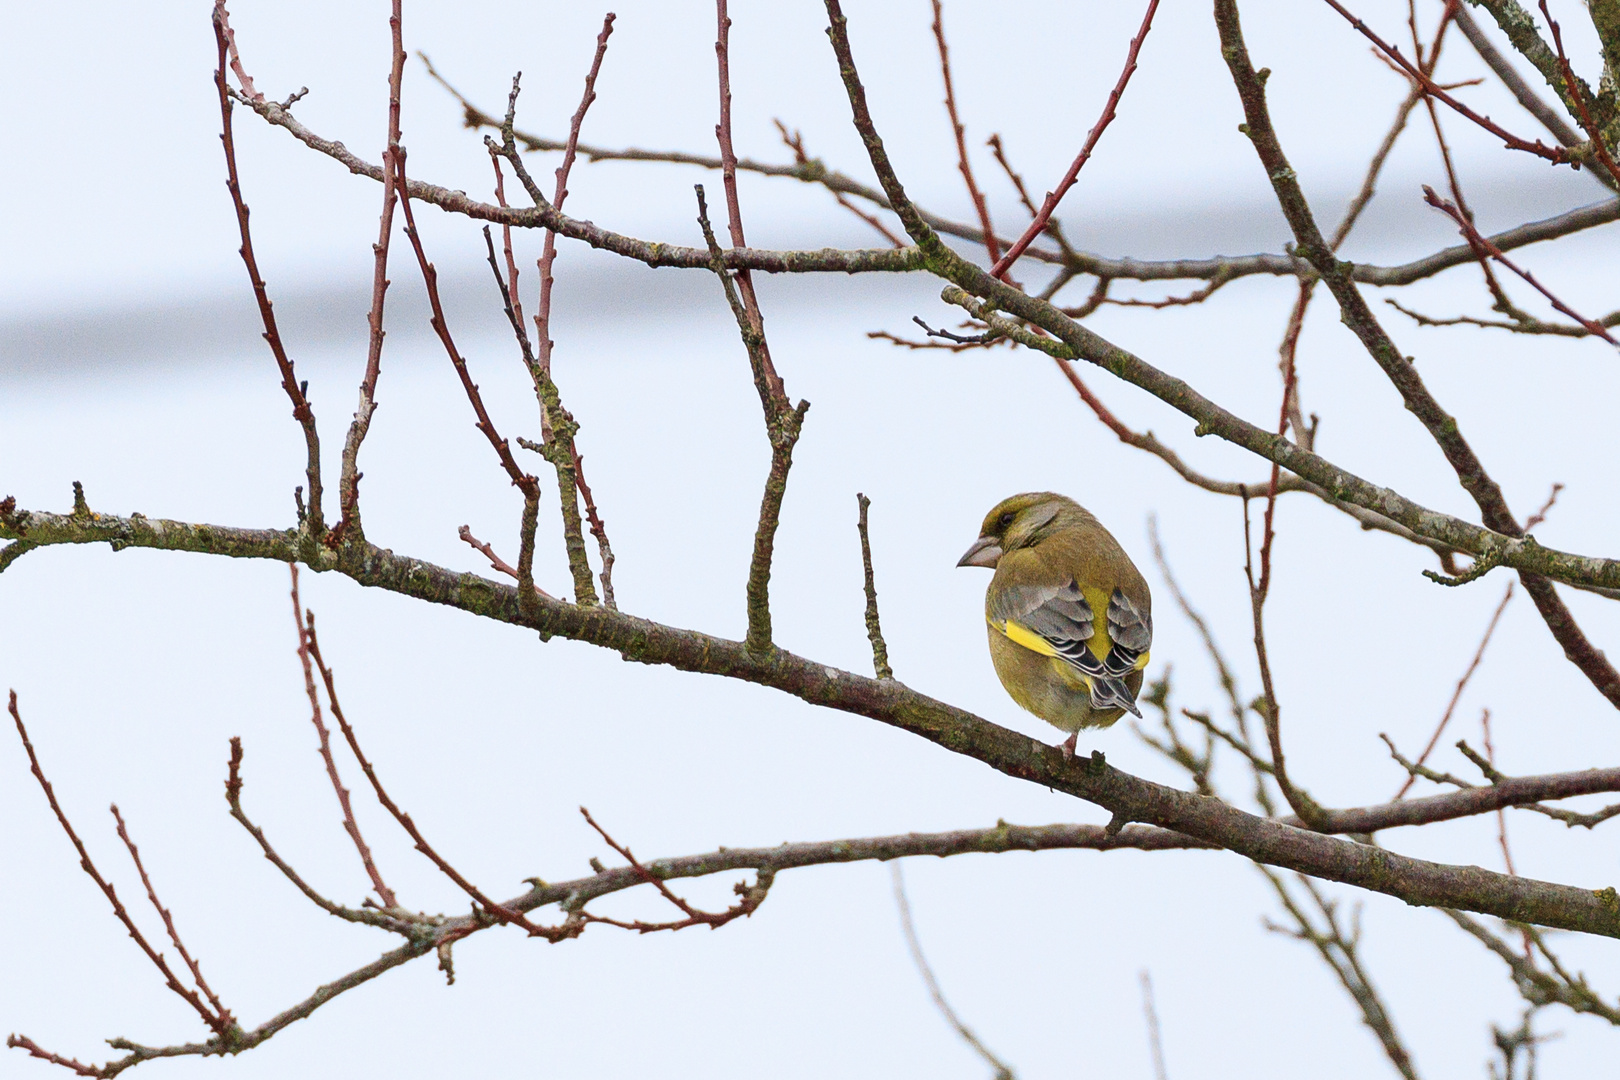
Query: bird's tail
(1109, 692)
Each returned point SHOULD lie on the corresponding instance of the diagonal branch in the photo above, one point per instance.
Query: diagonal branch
(221, 1021)
(1055, 196)
(1001, 1069)
(1486, 248)
(1521, 90)
(296, 391)
(349, 481)
(1540, 149)
(991, 245)
(309, 656)
(1442, 427)
(887, 701)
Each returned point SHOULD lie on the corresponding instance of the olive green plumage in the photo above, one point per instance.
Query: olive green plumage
(1070, 617)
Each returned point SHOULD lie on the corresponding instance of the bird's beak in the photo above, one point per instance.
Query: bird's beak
(986, 552)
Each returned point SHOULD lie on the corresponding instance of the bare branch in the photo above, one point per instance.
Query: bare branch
(308, 653)
(1000, 1069)
(992, 248)
(1055, 196)
(1467, 227)
(295, 390)
(349, 482)
(221, 1022)
(1462, 684)
(1540, 149)
(874, 631)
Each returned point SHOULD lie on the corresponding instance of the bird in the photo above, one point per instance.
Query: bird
(1070, 618)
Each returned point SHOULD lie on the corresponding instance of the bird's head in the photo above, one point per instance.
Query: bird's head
(1019, 522)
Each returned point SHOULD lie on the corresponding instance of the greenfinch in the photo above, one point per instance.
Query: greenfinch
(1070, 617)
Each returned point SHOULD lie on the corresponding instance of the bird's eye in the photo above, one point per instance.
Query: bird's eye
(1006, 520)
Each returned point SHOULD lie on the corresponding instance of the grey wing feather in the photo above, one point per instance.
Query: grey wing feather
(1061, 615)
(1058, 613)
(1131, 630)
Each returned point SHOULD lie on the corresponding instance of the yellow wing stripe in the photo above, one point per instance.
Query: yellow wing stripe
(1026, 637)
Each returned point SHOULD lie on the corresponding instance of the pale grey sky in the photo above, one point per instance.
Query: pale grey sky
(130, 360)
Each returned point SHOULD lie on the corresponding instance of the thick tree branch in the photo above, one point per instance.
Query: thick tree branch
(888, 701)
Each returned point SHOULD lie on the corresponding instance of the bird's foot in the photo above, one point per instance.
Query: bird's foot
(1067, 746)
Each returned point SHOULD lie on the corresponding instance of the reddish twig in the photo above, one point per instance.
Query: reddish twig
(1052, 228)
(222, 1014)
(1557, 155)
(308, 650)
(430, 278)
(491, 908)
(23, 1042)
(272, 335)
(1462, 684)
(1541, 515)
(1501, 813)
(220, 1022)
(1502, 302)
(496, 563)
(548, 255)
(1055, 196)
(771, 388)
(795, 142)
(1472, 235)
(233, 797)
(1572, 86)
(222, 24)
(752, 895)
(992, 248)
(1302, 803)
(349, 481)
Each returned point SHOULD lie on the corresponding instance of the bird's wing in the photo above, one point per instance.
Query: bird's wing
(1057, 621)
(1131, 631)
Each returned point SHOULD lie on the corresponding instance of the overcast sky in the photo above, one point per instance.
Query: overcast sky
(130, 360)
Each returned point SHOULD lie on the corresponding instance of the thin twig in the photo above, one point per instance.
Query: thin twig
(1001, 1069)
(1511, 79)
(874, 631)
(1053, 229)
(219, 1022)
(496, 563)
(489, 908)
(1050, 203)
(1572, 89)
(349, 481)
(233, 798)
(223, 1019)
(296, 391)
(751, 895)
(795, 142)
(1462, 684)
(430, 278)
(1340, 949)
(308, 648)
(1512, 142)
(992, 248)
(1151, 1014)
